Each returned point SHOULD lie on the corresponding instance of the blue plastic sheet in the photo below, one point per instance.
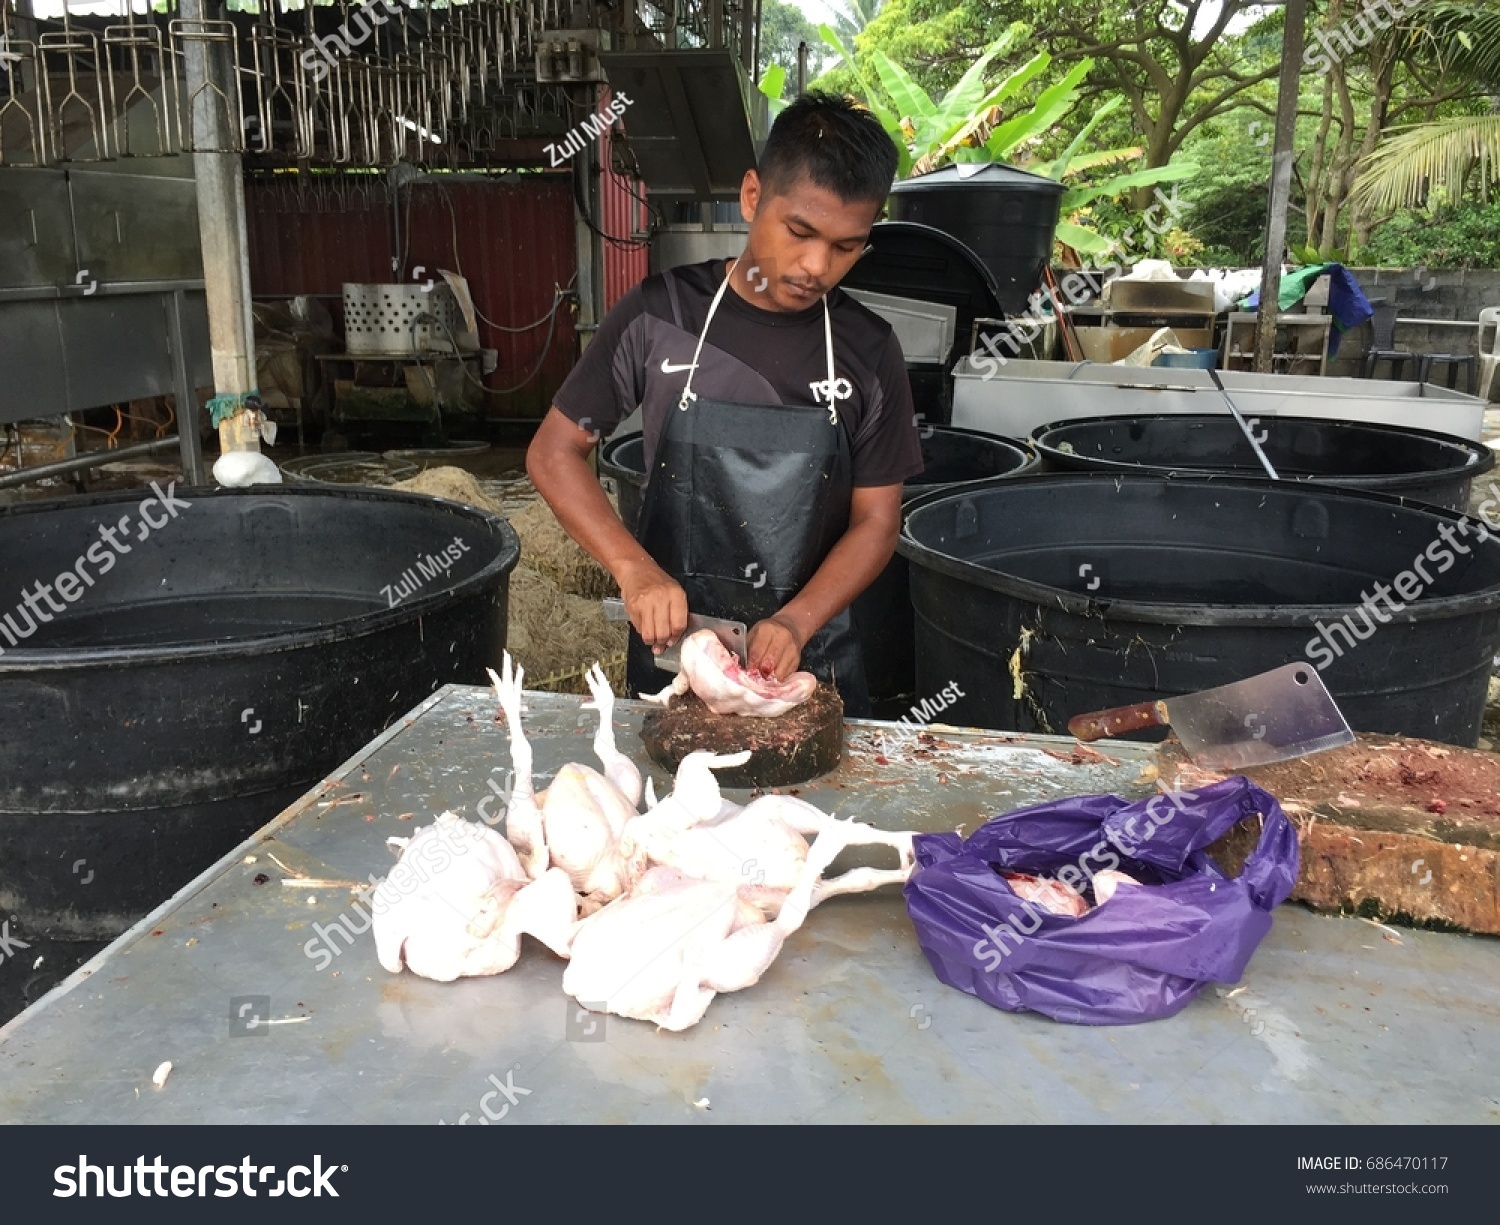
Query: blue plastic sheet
(1143, 954)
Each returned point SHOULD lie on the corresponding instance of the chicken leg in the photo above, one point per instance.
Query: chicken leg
(523, 816)
(739, 960)
(618, 768)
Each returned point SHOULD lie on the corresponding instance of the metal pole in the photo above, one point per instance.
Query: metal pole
(182, 384)
(589, 247)
(747, 39)
(81, 463)
(801, 69)
(221, 227)
(1281, 183)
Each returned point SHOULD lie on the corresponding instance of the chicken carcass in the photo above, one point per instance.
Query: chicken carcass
(715, 674)
(1053, 896)
(578, 823)
(458, 901)
(761, 847)
(663, 951)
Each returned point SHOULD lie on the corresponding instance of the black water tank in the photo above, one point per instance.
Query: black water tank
(1056, 595)
(1006, 216)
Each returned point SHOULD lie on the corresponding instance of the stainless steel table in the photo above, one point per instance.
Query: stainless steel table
(269, 1013)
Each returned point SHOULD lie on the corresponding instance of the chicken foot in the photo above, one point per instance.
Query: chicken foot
(523, 815)
(618, 768)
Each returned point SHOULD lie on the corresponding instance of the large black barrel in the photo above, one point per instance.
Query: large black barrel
(1058, 595)
(882, 614)
(1415, 464)
(623, 460)
(1005, 215)
(204, 665)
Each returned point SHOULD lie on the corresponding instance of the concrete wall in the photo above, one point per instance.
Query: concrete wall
(1423, 293)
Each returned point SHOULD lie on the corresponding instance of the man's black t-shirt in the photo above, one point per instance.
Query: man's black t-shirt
(642, 350)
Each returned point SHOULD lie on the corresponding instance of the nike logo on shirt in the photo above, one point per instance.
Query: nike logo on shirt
(668, 368)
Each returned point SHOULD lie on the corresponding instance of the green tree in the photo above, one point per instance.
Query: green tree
(1456, 153)
(850, 17)
(782, 27)
(1174, 63)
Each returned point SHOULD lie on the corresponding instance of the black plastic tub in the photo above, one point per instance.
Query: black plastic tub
(211, 671)
(1005, 215)
(623, 460)
(1415, 464)
(1063, 594)
(882, 614)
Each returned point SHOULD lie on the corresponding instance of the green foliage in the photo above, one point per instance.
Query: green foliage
(772, 84)
(969, 124)
(1466, 235)
(782, 27)
(1229, 219)
(1302, 256)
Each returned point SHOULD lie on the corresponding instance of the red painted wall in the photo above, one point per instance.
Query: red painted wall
(513, 240)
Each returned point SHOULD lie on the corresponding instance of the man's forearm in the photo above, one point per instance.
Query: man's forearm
(570, 488)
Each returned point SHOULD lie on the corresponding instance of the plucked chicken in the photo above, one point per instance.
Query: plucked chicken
(715, 674)
(663, 951)
(762, 846)
(457, 903)
(579, 823)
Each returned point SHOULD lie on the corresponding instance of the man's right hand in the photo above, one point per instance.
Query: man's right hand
(656, 604)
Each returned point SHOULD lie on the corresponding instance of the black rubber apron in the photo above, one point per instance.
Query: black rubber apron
(742, 505)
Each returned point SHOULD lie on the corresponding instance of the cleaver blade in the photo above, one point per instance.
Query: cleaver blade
(732, 634)
(1273, 716)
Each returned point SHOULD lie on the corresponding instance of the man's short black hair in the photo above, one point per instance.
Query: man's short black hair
(840, 146)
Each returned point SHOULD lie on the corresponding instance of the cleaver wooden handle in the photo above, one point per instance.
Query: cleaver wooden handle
(1103, 723)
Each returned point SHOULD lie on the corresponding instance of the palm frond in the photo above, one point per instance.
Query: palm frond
(1467, 34)
(1410, 163)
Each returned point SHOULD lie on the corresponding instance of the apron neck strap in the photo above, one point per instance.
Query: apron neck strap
(689, 395)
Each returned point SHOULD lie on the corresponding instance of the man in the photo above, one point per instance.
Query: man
(777, 417)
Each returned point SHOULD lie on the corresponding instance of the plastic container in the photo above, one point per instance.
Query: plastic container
(882, 613)
(214, 670)
(623, 460)
(1005, 215)
(1193, 359)
(1063, 594)
(1415, 464)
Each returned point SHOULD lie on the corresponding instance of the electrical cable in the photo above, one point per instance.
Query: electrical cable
(541, 360)
(459, 269)
(411, 331)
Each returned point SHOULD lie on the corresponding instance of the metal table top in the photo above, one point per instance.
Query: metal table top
(234, 982)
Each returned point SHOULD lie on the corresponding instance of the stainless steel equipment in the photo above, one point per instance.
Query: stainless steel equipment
(1013, 399)
(400, 320)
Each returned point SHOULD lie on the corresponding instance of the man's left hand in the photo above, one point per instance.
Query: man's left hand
(775, 647)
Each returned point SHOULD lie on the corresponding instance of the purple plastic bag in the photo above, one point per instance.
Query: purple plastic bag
(1142, 955)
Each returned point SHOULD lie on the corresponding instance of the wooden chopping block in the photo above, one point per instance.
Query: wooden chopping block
(1389, 828)
(800, 745)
